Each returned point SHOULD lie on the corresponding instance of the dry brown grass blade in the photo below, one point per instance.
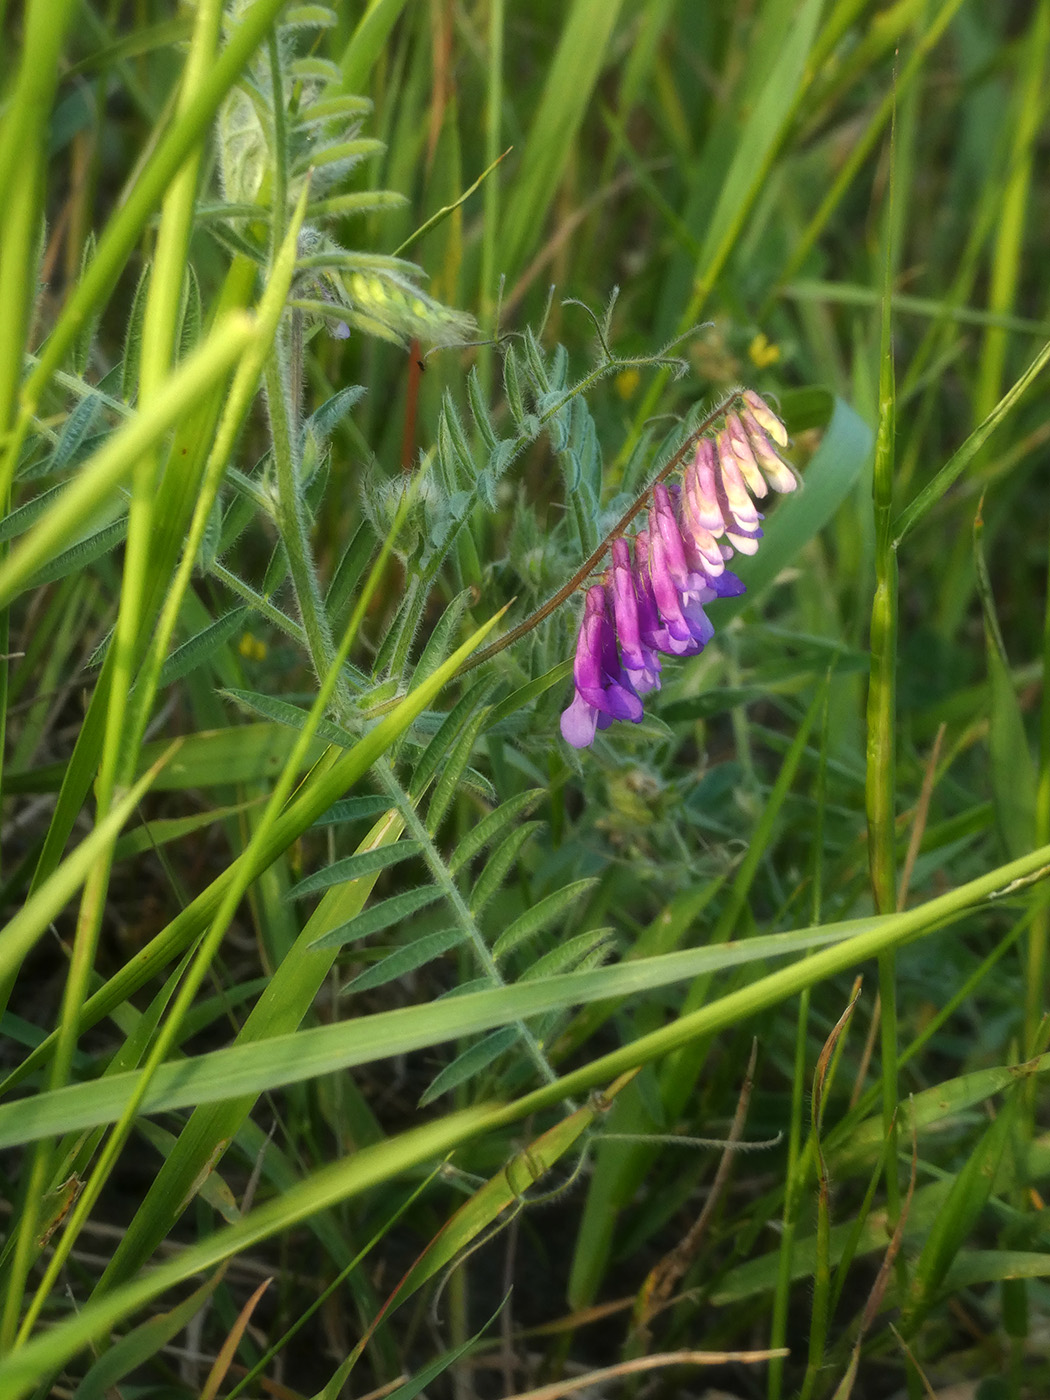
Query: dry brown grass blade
(556, 1389)
(878, 1288)
(221, 1365)
(922, 812)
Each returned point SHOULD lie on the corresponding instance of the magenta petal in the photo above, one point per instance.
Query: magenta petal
(604, 687)
(727, 585)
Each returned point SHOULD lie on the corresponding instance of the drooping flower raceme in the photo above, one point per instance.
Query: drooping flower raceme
(652, 597)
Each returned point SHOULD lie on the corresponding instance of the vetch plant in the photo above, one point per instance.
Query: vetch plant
(290, 924)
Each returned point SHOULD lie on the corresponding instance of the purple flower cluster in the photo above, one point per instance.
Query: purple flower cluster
(652, 597)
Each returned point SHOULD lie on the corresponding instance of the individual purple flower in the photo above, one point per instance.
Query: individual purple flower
(738, 509)
(640, 661)
(651, 627)
(716, 501)
(679, 592)
(718, 580)
(687, 579)
(604, 691)
(728, 585)
(743, 454)
(700, 511)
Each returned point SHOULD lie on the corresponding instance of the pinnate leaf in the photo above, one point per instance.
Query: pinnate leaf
(470, 1063)
(501, 860)
(491, 826)
(379, 916)
(415, 954)
(353, 867)
(529, 923)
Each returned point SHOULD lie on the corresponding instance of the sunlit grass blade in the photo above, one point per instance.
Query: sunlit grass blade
(100, 478)
(287, 1059)
(33, 919)
(587, 28)
(22, 1369)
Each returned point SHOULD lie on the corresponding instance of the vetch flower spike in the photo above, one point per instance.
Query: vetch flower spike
(652, 596)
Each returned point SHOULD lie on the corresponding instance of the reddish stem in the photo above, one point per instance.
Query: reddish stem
(588, 565)
(408, 437)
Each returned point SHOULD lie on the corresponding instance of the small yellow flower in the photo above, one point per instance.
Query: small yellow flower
(627, 382)
(251, 648)
(762, 352)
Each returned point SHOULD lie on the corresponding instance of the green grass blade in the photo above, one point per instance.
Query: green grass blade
(35, 917)
(21, 1370)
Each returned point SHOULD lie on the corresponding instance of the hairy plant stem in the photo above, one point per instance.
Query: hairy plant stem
(290, 518)
(443, 878)
(593, 560)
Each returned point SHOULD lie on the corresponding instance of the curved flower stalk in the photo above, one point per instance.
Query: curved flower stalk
(652, 597)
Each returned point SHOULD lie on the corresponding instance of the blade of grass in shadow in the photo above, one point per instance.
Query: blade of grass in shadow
(159, 333)
(574, 68)
(492, 194)
(932, 1111)
(1006, 258)
(820, 1311)
(125, 737)
(774, 95)
(18, 937)
(465, 1230)
(964, 455)
(881, 749)
(287, 999)
(1039, 935)
(1013, 775)
(41, 1356)
(102, 476)
(23, 154)
(190, 444)
(969, 1191)
(928, 308)
(797, 1163)
(34, 918)
(168, 1033)
(866, 144)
